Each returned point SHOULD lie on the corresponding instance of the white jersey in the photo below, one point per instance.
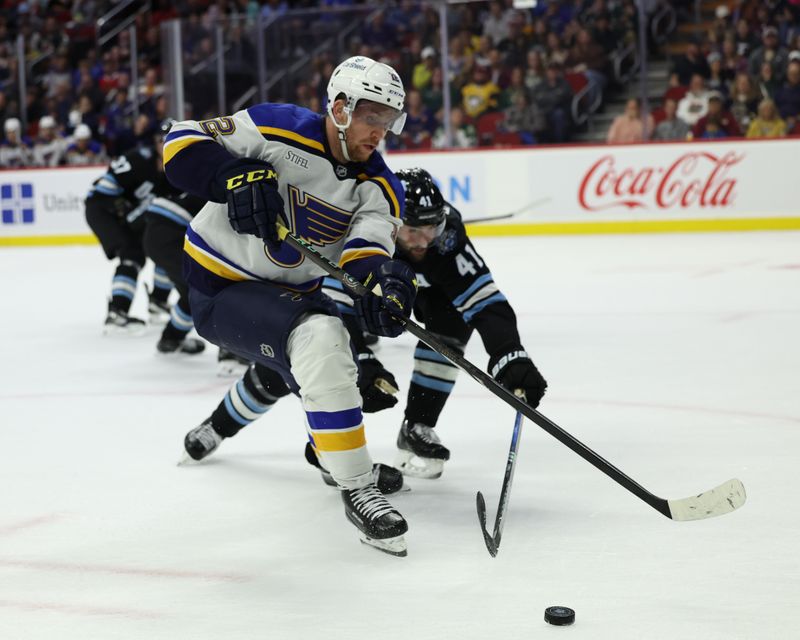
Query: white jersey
(49, 153)
(350, 212)
(18, 154)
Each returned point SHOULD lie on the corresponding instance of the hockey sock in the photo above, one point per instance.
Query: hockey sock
(248, 399)
(180, 322)
(123, 285)
(431, 383)
(162, 285)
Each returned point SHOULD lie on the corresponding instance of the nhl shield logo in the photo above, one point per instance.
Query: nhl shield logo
(341, 171)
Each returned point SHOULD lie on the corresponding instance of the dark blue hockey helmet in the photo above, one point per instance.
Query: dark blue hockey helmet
(424, 202)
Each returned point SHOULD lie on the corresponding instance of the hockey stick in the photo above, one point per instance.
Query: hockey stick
(503, 216)
(493, 541)
(723, 499)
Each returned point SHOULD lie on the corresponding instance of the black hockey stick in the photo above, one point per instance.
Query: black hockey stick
(493, 541)
(503, 216)
(717, 501)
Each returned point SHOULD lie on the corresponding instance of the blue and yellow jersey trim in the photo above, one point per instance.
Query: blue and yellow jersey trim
(292, 138)
(217, 264)
(212, 260)
(290, 124)
(359, 249)
(177, 141)
(388, 192)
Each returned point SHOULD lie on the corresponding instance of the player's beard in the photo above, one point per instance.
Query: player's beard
(415, 253)
(358, 151)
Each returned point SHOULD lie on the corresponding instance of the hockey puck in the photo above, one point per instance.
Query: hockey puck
(559, 616)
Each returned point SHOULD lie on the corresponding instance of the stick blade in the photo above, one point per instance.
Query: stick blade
(723, 499)
(480, 503)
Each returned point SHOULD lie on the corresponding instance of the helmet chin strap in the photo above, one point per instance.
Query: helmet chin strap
(341, 131)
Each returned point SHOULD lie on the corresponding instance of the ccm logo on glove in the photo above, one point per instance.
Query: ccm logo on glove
(255, 205)
(250, 176)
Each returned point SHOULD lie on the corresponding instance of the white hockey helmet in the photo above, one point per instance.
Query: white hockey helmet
(362, 78)
(82, 132)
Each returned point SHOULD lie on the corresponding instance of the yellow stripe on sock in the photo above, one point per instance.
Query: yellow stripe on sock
(340, 440)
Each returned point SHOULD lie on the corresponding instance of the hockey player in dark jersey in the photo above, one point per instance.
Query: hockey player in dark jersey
(166, 218)
(457, 295)
(114, 210)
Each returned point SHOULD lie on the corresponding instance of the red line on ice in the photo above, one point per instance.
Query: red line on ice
(120, 570)
(81, 609)
(111, 393)
(28, 524)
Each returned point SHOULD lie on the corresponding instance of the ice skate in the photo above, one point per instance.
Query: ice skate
(380, 525)
(420, 452)
(230, 365)
(118, 322)
(158, 311)
(200, 443)
(189, 346)
(388, 479)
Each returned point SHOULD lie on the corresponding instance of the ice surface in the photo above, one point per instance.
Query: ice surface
(673, 356)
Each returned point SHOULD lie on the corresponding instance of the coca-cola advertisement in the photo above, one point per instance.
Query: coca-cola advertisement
(698, 178)
(722, 184)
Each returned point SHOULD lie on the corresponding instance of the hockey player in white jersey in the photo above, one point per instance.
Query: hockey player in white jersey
(320, 176)
(50, 146)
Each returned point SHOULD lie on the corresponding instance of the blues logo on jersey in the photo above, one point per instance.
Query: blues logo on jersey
(313, 220)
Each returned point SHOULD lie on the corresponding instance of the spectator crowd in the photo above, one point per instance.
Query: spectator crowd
(513, 73)
(742, 79)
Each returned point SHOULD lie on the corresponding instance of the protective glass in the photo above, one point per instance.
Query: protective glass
(427, 233)
(387, 120)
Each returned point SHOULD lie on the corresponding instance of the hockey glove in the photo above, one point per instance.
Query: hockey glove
(398, 284)
(377, 386)
(515, 371)
(254, 203)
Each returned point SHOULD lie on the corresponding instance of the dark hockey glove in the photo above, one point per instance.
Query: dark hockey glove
(254, 203)
(398, 284)
(377, 386)
(515, 371)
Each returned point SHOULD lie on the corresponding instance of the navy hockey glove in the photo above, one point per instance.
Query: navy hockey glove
(515, 370)
(254, 203)
(398, 284)
(377, 386)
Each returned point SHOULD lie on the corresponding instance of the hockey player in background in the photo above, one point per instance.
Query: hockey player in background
(83, 150)
(50, 146)
(457, 295)
(166, 217)
(114, 211)
(15, 150)
(321, 176)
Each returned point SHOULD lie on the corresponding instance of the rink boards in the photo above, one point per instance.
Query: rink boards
(655, 187)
